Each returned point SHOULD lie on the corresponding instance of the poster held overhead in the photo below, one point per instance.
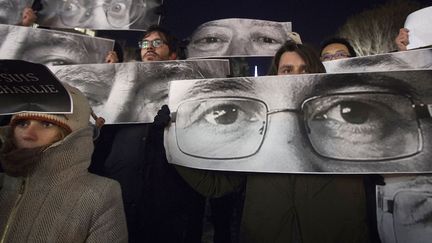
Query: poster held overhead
(31, 87)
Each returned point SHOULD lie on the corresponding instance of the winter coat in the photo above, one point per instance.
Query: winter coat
(60, 201)
(292, 208)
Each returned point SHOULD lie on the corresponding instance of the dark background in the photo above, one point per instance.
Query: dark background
(314, 20)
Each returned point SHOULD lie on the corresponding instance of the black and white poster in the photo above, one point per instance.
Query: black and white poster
(239, 37)
(133, 92)
(404, 209)
(11, 10)
(26, 86)
(394, 61)
(372, 122)
(100, 14)
(51, 47)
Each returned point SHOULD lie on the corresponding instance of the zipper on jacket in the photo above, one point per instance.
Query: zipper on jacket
(14, 210)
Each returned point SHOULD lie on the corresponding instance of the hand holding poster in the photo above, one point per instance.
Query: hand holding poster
(26, 86)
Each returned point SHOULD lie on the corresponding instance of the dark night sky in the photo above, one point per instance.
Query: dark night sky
(313, 19)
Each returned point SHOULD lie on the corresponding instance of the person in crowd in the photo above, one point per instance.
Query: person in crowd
(336, 48)
(159, 205)
(284, 207)
(46, 192)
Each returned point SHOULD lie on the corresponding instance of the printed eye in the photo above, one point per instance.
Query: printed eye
(235, 127)
(117, 9)
(352, 112)
(70, 7)
(225, 115)
(209, 40)
(413, 207)
(362, 126)
(365, 120)
(266, 40)
(57, 62)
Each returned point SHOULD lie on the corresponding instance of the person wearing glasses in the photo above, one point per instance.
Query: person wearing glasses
(159, 205)
(336, 48)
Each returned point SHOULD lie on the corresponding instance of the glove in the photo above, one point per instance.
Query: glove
(162, 118)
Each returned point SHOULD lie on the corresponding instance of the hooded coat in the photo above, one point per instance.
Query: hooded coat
(60, 201)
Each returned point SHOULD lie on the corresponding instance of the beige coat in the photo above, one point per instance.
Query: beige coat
(60, 201)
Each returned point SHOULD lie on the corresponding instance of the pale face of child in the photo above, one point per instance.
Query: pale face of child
(34, 133)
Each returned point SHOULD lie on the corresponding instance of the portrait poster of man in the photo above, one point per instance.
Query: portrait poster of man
(403, 60)
(239, 37)
(100, 14)
(11, 10)
(26, 86)
(50, 47)
(420, 33)
(133, 92)
(372, 122)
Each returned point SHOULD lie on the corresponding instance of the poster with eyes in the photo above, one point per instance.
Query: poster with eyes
(372, 122)
(239, 37)
(100, 14)
(134, 92)
(413, 59)
(51, 47)
(11, 10)
(26, 86)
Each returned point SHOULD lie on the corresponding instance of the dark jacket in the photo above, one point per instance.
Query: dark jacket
(292, 208)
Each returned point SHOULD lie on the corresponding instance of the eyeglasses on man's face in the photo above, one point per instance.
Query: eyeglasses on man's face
(335, 56)
(119, 13)
(345, 126)
(147, 43)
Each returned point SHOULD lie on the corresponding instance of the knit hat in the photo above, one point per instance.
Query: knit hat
(70, 122)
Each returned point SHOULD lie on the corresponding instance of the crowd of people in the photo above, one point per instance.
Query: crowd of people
(48, 195)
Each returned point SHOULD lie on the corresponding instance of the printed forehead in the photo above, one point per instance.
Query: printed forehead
(291, 90)
(246, 22)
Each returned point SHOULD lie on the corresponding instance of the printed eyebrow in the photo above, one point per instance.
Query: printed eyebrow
(68, 42)
(333, 82)
(378, 60)
(221, 85)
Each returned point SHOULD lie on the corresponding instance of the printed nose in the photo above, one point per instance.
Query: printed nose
(122, 94)
(96, 18)
(285, 143)
(239, 46)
